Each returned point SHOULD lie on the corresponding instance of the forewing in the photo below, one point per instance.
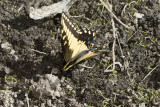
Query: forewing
(73, 41)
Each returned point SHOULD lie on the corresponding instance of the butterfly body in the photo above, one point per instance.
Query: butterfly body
(76, 44)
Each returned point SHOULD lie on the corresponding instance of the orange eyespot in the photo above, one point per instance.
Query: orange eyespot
(91, 45)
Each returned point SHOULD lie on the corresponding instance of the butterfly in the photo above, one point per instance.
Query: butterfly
(76, 44)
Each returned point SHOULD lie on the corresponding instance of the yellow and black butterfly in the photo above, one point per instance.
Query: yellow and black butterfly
(76, 44)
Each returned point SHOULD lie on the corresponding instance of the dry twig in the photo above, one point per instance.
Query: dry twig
(112, 14)
(150, 73)
(84, 66)
(114, 42)
(38, 51)
(123, 11)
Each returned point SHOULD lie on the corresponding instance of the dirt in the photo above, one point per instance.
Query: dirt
(31, 58)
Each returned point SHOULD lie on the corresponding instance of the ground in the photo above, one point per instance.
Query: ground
(31, 58)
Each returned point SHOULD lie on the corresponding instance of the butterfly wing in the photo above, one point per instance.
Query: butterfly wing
(75, 43)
